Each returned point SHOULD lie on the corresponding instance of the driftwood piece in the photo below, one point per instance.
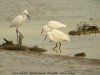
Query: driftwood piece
(15, 47)
(9, 45)
(7, 42)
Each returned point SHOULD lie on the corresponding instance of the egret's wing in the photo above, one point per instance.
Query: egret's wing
(59, 35)
(16, 21)
(56, 24)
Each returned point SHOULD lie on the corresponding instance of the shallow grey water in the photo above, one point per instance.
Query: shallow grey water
(69, 12)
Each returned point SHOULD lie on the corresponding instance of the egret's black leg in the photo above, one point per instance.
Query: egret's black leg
(20, 33)
(59, 47)
(45, 37)
(55, 46)
(17, 34)
(42, 31)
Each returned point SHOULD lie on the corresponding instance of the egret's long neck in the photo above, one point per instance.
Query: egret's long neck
(24, 17)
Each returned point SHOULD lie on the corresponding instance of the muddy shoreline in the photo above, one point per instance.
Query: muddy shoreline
(26, 61)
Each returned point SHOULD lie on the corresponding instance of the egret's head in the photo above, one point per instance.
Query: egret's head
(44, 28)
(26, 13)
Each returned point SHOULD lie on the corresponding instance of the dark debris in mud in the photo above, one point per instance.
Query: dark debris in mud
(85, 29)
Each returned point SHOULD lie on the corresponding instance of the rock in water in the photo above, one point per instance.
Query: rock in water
(80, 54)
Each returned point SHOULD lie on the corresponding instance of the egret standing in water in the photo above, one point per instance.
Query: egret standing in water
(18, 21)
(53, 25)
(57, 36)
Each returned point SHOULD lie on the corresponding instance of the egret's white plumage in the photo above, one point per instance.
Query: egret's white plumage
(56, 24)
(18, 21)
(53, 25)
(57, 36)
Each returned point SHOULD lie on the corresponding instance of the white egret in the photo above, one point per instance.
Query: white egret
(57, 36)
(53, 25)
(18, 21)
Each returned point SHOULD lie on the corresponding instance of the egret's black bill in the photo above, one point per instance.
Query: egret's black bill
(42, 31)
(45, 37)
(28, 17)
